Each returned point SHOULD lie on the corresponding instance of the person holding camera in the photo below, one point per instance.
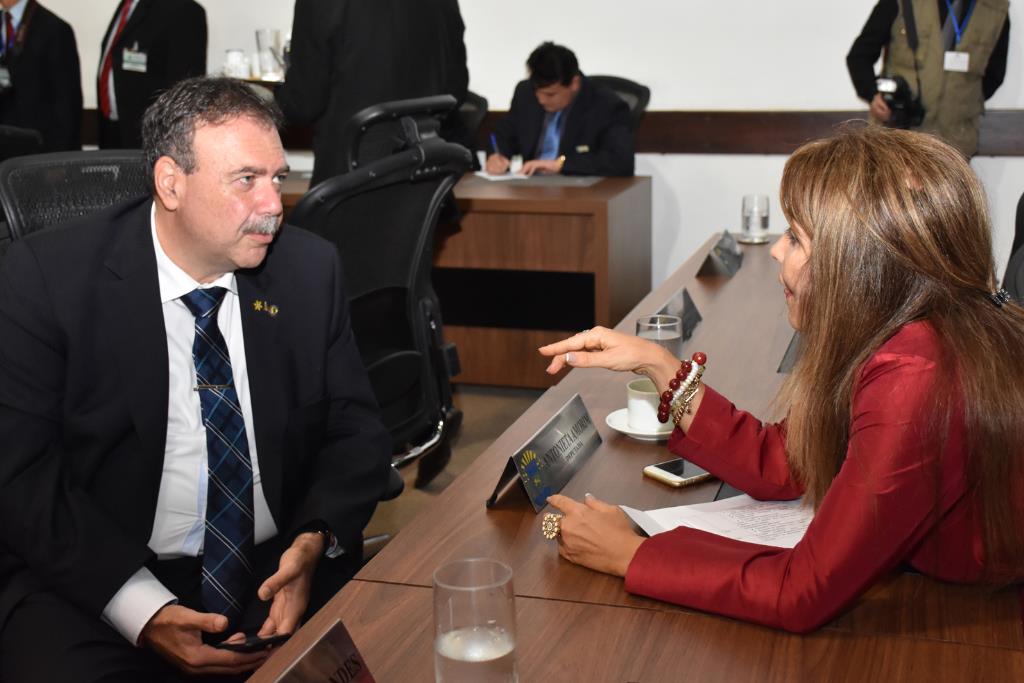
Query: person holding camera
(943, 59)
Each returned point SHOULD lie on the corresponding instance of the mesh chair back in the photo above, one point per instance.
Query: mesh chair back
(16, 142)
(390, 127)
(635, 95)
(382, 217)
(44, 190)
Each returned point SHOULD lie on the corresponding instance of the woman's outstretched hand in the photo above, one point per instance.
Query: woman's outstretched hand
(600, 347)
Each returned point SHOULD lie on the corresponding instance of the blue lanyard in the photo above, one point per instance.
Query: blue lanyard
(958, 28)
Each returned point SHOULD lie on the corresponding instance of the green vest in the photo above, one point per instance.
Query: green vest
(953, 101)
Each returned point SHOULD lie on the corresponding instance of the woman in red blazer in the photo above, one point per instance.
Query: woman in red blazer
(906, 407)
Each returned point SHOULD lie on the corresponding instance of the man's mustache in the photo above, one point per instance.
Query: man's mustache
(264, 225)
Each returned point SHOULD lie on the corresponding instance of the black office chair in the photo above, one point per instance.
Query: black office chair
(470, 116)
(382, 216)
(1013, 278)
(44, 190)
(16, 142)
(380, 130)
(635, 95)
(1018, 229)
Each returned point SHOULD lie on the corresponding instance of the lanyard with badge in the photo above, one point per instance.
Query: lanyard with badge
(13, 47)
(954, 60)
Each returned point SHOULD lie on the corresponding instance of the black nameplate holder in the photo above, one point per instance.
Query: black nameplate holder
(789, 358)
(682, 306)
(724, 259)
(550, 458)
(333, 658)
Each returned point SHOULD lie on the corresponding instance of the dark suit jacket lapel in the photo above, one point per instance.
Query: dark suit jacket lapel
(136, 17)
(133, 320)
(574, 124)
(263, 350)
(138, 14)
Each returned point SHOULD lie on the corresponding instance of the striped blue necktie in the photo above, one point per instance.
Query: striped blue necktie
(228, 543)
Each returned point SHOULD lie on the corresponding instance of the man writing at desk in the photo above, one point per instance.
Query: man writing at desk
(190, 438)
(562, 122)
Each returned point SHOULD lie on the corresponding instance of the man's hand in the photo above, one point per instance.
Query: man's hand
(497, 164)
(542, 166)
(879, 109)
(289, 586)
(175, 633)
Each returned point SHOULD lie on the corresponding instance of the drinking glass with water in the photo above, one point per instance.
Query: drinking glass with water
(665, 330)
(474, 622)
(754, 228)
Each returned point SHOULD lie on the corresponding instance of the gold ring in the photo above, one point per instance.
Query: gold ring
(551, 525)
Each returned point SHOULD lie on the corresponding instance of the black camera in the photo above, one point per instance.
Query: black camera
(907, 111)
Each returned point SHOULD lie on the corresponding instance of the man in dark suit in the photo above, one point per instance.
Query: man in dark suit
(191, 445)
(149, 46)
(350, 54)
(563, 123)
(40, 86)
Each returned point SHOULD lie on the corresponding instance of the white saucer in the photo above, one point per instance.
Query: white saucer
(619, 421)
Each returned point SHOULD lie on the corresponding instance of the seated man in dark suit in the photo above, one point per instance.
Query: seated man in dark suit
(191, 445)
(563, 123)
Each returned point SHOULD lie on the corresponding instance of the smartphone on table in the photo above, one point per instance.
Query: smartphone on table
(677, 472)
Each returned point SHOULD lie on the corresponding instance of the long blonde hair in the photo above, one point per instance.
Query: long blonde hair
(900, 232)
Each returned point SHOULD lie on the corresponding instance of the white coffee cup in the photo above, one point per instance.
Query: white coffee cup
(515, 164)
(481, 158)
(642, 399)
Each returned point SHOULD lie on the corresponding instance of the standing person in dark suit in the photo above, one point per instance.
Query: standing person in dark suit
(563, 123)
(40, 84)
(149, 46)
(189, 436)
(350, 54)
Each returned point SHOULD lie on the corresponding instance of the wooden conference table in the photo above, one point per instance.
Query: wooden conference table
(577, 625)
(534, 260)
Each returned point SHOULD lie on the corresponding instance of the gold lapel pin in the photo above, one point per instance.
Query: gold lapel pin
(263, 306)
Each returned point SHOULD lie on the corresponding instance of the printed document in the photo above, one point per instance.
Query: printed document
(776, 523)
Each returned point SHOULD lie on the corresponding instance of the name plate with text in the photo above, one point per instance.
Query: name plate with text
(725, 258)
(333, 658)
(546, 463)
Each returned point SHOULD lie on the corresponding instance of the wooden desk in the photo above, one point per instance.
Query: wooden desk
(392, 626)
(535, 260)
(574, 620)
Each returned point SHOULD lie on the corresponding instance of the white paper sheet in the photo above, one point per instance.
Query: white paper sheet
(776, 523)
(501, 177)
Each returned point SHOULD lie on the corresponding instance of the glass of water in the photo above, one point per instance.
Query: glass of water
(474, 622)
(754, 228)
(666, 330)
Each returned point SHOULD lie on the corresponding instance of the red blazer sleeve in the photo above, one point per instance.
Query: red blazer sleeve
(737, 448)
(879, 507)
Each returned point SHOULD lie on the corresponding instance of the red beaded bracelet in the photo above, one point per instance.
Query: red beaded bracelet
(678, 384)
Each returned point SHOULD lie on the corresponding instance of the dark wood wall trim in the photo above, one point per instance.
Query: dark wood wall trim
(722, 132)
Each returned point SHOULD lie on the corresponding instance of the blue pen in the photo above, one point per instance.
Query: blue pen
(494, 144)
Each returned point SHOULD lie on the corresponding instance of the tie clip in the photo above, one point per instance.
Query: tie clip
(211, 386)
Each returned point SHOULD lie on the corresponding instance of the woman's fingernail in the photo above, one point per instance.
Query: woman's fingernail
(570, 358)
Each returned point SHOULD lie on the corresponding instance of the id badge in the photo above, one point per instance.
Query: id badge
(5, 78)
(957, 61)
(133, 60)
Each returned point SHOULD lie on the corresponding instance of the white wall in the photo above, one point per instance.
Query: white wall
(725, 54)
